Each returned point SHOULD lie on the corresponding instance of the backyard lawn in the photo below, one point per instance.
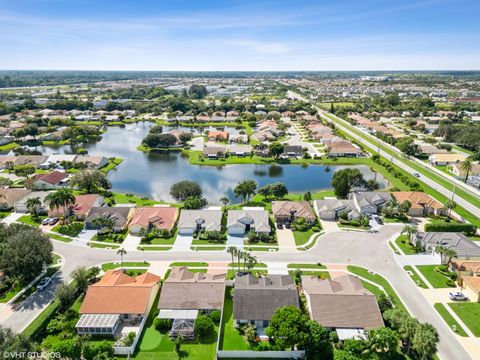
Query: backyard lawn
(230, 338)
(132, 199)
(449, 319)
(469, 312)
(404, 245)
(435, 279)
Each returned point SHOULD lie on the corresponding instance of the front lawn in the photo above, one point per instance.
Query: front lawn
(116, 265)
(449, 319)
(436, 279)
(159, 240)
(31, 220)
(404, 245)
(111, 237)
(59, 238)
(72, 229)
(103, 246)
(306, 266)
(230, 338)
(469, 312)
(302, 237)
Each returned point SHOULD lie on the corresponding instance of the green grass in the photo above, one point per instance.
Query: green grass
(380, 280)
(404, 245)
(469, 313)
(230, 338)
(161, 240)
(436, 279)
(207, 242)
(59, 237)
(375, 290)
(116, 265)
(55, 142)
(103, 246)
(112, 164)
(302, 237)
(132, 199)
(8, 147)
(189, 263)
(207, 248)
(32, 329)
(72, 229)
(260, 248)
(320, 274)
(449, 319)
(154, 248)
(306, 266)
(416, 279)
(29, 220)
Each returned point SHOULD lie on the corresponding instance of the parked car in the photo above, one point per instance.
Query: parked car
(53, 221)
(46, 221)
(416, 175)
(42, 285)
(377, 218)
(457, 296)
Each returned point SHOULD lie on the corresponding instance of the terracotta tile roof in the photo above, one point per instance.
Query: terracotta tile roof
(418, 199)
(468, 265)
(83, 205)
(473, 282)
(118, 293)
(51, 178)
(160, 217)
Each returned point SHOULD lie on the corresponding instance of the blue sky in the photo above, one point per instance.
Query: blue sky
(240, 35)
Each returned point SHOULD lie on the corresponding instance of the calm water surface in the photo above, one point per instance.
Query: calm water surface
(153, 174)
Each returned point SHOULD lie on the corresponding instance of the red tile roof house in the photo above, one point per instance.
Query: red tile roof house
(117, 305)
(82, 207)
(218, 136)
(145, 219)
(50, 181)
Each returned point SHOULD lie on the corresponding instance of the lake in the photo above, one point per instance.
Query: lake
(153, 174)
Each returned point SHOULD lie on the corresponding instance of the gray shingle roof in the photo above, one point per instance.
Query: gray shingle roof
(456, 241)
(210, 220)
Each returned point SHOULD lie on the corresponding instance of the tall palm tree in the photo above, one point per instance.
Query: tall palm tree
(33, 204)
(224, 201)
(121, 252)
(467, 166)
(410, 230)
(232, 250)
(446, 254)
(105, 223)
(450, 205)
(240, 255)
(63, 197)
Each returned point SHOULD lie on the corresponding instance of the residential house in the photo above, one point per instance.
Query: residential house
(34, 160)
(446, 159)
(7, 161)
(81, 209)
(370, 202)
(240, 150)
(342, 304)
(117, 305)
(292, 151)
(48, 181)
(55, 160)
(214, 152)
(20, 206)
(239, 139)
(218, 136)
(256, 299)
(241, 222)
(145, 219)
(427, 149)
(465, 248)
(121, 215)
(8, 197)
(194, 221)
(262, 136)
(92, 162)
(457, 170)
(289, 211)
(422, 203)
(330, 209)
(343, 149)
(465, 268)
(185, 294)
(472, 287)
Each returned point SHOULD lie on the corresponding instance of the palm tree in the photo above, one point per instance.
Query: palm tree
(121, 252)
(105, 223)
(224, 201)
(466, 166)
(232, 250)
(446, 254)
(251, 262)
(32, 205)
(410, 230)
(240, 255)
(63, 197)
(450, 205)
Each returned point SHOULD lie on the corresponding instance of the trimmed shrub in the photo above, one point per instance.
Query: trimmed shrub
(162, 325)
(215, 316)
(203, 326)
(467, 229)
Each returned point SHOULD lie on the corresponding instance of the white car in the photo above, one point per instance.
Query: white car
(457, 296)
(416, 175)
(46, 221)
(42, 285)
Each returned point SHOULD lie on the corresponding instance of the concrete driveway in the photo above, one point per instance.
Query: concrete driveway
(235, 240)
(182, 243)
(286, 241)
(329, 226)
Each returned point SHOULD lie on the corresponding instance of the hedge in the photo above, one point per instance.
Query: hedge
(467, 229)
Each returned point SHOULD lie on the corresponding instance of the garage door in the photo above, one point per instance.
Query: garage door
(236, 231)
(185, 231)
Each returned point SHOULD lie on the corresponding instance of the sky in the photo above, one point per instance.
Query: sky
(240, 35)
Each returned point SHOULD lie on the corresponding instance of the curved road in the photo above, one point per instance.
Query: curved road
(369, 250)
